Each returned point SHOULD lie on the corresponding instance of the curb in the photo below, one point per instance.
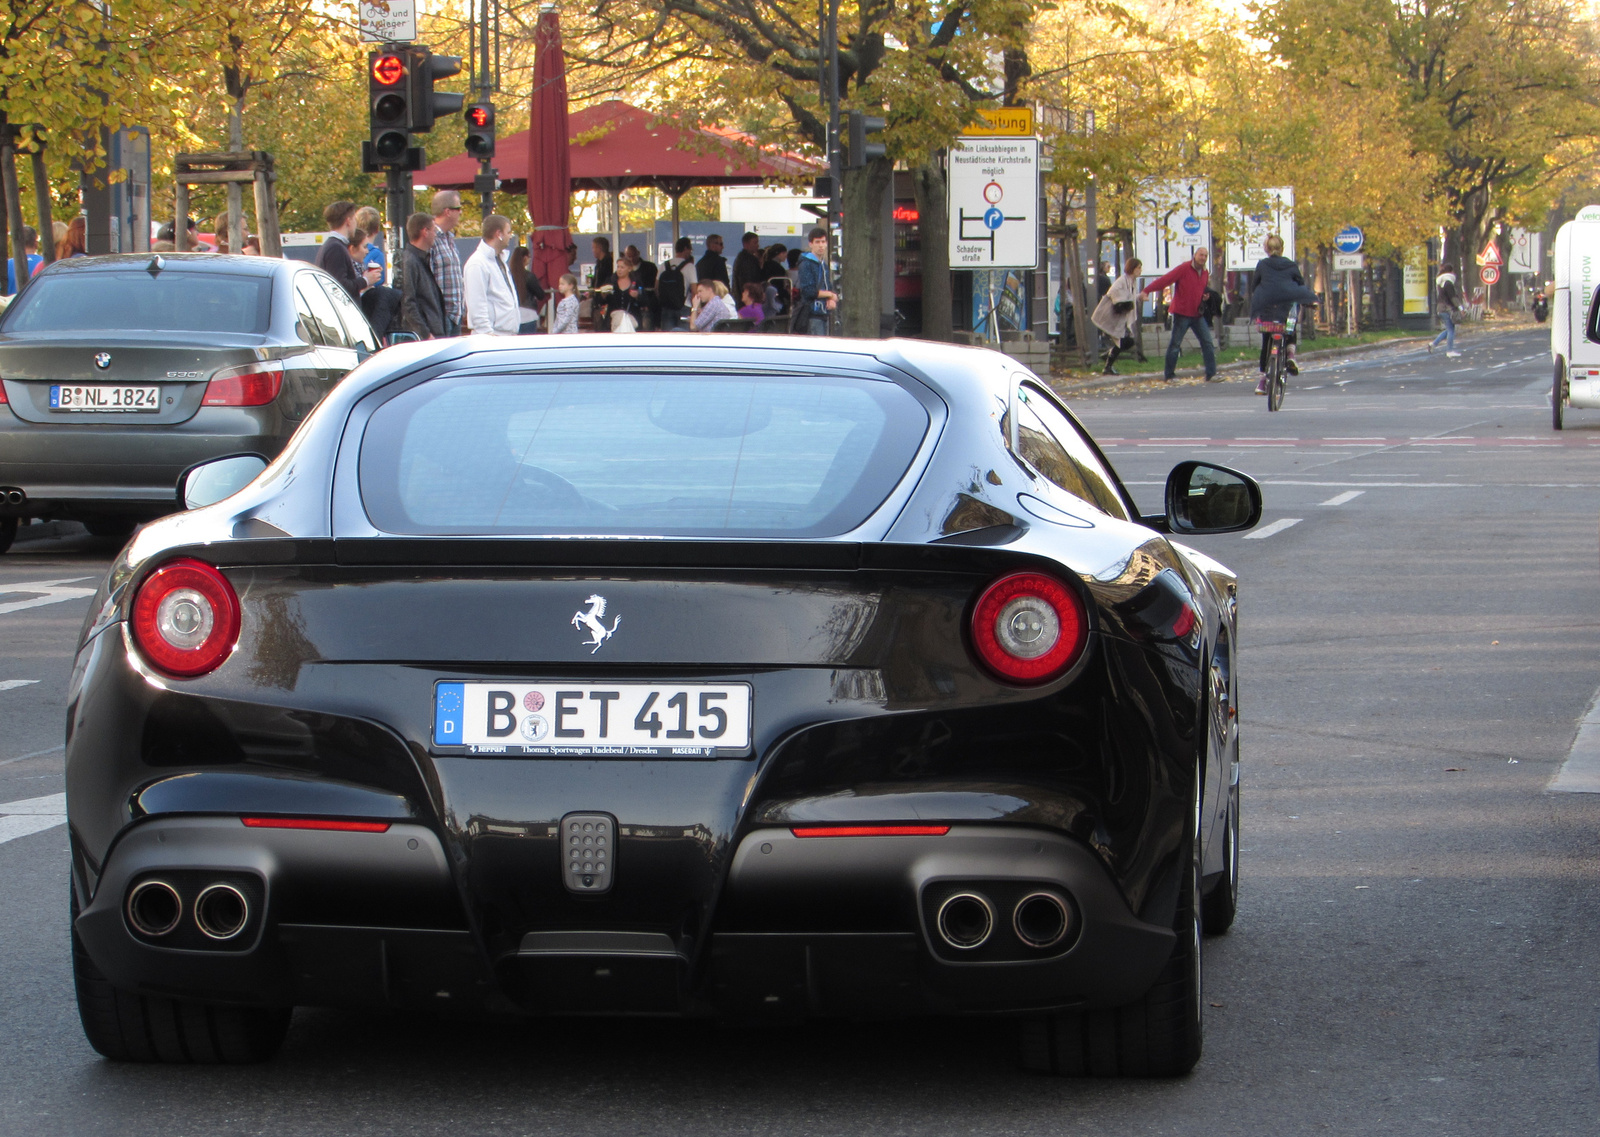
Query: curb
(1082, 386)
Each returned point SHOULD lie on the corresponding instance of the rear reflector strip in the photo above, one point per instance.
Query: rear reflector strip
(872, 831)
(316, 823)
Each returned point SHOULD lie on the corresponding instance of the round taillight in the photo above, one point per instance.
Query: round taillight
(1028, 628)
(186, 618)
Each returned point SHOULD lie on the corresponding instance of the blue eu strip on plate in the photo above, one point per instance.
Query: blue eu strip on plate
(449, 699)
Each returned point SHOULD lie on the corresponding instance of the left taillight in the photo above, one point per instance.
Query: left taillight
(1029, 628)
(186, 618)
(254, 385)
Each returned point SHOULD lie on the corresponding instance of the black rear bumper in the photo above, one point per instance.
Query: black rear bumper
(787, 939)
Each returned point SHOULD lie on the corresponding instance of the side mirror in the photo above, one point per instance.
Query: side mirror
(207, 483)
(401, 337)
(1591, 326)
(1203, 498)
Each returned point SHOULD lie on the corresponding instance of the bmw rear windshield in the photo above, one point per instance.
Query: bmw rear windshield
(133, 300)
(638, 454)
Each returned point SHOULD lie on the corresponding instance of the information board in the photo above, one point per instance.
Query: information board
(1248, 232)
(1174, 218)
(994, 203)
(387, 21)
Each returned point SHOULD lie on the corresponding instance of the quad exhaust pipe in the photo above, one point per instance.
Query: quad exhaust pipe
(966, 921)
(155, 908)
(1041, 920)
(221, 911)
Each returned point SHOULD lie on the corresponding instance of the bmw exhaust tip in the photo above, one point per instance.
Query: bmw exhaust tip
(966, 921)
(12, 496)
(1041, 919)
(221, 911)
(154, 907)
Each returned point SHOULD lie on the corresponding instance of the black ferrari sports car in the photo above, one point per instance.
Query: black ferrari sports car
(733, 676)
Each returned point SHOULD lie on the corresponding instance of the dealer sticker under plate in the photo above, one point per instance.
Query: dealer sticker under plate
(688, 720)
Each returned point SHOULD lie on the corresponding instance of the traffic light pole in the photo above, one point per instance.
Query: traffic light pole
(398, 203)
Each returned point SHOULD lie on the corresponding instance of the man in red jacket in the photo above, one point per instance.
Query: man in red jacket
(1188, 281)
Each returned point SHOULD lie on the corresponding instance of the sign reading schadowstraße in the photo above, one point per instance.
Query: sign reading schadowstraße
(994, 203)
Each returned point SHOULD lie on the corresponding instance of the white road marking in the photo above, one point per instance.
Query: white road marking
(13, 684)
(31, 815)
(53, 592)
(25, 757)
(1459, 370)
(1277, 526)
(1344, 498)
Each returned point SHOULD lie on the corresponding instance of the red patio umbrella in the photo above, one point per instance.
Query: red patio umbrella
(549, 168)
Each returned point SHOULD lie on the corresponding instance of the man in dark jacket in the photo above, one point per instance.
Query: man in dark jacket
(422, 310)
(1188, 281)
(815, 295)
(747, 266)
(334, 256)
(713, 266)
(1276, 286)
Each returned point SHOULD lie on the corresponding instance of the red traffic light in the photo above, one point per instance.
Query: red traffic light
(478, 116)
(388, 69)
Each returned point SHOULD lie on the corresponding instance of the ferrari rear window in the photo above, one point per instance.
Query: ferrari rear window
(139, 301)
(807, 456)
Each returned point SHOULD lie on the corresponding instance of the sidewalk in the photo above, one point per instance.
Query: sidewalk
(1247, 369)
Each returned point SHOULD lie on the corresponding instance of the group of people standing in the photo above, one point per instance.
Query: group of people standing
(772, 289)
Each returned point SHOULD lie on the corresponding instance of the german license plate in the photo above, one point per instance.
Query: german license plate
(103, 397)
(689, 720)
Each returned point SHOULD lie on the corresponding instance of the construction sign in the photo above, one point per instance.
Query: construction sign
(1491, 255)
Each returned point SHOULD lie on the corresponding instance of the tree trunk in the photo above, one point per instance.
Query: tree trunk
(235, 236)
(8, 173)
(933, 227)
(41, 195)
(865, 246)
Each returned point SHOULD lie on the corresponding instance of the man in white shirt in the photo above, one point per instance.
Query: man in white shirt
(489, 296)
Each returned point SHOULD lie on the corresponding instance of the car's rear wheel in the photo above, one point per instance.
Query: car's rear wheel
(1558, 396)
(8, 532)
(128, 1027)
(1221, 904)
(1156, 1036)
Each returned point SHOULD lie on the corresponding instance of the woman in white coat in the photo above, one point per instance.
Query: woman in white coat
(1117, 311)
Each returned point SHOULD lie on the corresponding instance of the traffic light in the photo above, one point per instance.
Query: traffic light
(480, 130)
(388, 102)
(426, 104)
(861, 152)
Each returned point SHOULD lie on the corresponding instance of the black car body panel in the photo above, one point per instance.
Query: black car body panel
(870, 709)
(103, 465)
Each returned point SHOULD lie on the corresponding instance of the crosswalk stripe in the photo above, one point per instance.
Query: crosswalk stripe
(1277, 526)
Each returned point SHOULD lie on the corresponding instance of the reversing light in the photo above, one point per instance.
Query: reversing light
(316, 823)
(253, 385)
(871, 831)
(186, 618)
(1028, 628)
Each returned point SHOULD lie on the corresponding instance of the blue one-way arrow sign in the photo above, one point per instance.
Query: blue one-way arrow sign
(1350, 239)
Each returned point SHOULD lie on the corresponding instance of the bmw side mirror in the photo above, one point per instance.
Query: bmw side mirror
(401, 337)
(1203, 498)
(207, 483)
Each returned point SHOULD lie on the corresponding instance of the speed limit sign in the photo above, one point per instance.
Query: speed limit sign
(1489, 274)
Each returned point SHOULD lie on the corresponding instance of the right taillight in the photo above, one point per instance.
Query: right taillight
(254, 385)
(1028, 628)
(185, 618)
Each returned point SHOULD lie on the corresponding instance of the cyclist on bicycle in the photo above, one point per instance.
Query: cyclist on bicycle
(1275, 287)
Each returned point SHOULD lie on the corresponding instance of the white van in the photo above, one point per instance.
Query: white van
(1576, 358)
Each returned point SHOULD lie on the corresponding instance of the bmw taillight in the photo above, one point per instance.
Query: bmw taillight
(1028, 628)
(186, 618)
(253, 385)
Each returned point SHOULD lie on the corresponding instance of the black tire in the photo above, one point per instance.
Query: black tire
(1275, 378)
(1157, 1035)
(8, 532)
(1221, 903)
(1558, 396)
(110, 526)
(126, 1027)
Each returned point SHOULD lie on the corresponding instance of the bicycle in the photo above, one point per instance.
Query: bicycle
(1278, 356)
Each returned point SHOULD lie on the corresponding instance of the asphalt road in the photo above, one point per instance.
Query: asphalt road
(1416, 948)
